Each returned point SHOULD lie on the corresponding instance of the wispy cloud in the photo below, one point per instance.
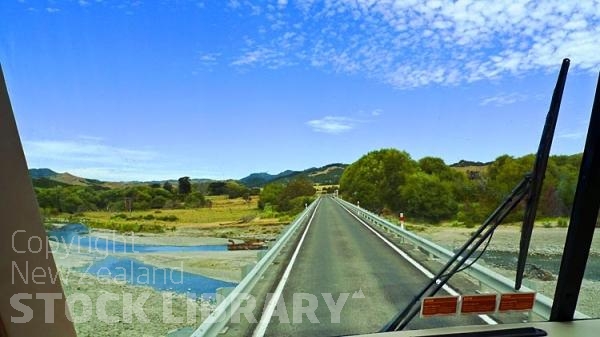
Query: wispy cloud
(502, 99)
(208, 60)
(262, 56)
(456, 42)
(376, 112)
(572, 135)
(91, 157)
(332, 124)
(52, 10)
(84, 150)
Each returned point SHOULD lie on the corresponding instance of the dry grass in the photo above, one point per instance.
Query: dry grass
(227, 218)
(223, 211)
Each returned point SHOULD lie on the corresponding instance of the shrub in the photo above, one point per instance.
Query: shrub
(119, 216)
(562, 223)
(170, 218)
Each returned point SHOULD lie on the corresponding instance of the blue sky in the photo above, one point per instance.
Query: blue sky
(142, 90)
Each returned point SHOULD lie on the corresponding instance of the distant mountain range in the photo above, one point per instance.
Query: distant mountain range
(328, 174)
(325, 175)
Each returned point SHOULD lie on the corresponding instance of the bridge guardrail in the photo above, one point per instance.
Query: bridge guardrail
(219, 318)
(492, 279)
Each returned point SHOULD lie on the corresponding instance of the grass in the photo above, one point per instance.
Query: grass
(223, 210)
(225, 217)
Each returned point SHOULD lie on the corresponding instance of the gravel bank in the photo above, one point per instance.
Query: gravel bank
(131, 311)
(545, 241)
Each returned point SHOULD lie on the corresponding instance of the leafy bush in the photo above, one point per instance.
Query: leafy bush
(562, 223)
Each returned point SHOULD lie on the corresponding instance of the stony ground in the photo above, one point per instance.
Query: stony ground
(123, 316)
(545, 241)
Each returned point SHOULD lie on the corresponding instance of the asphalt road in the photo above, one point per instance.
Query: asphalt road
(339, 255)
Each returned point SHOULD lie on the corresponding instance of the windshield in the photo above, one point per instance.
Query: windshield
(317, 161)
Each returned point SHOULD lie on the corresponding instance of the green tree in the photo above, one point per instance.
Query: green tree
(426, 197)
(270, 194)
(235, 190)
(217, 188)
(298, 187)
(195, 200)
(168, 187)
(185, 185)
(375, 178)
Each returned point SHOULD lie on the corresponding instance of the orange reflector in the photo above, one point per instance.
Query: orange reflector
(435, 306)
(478, 304)
(516, 302)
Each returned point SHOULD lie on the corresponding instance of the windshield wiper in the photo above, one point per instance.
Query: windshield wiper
(530, 186)
(539, 171)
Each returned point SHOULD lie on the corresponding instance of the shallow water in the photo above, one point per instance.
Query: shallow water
(134, 272)
(162, 279)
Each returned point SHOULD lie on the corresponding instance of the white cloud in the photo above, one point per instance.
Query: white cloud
(502, 99)
(332, 124)
(572, 135)
(266, 57)
(209, 60)
(419, 43)
(91, 157)
(84, 150)
(52, 10)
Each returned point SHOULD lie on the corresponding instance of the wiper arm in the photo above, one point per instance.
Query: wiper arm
(529, 186)
(539, 172)
(462, 256)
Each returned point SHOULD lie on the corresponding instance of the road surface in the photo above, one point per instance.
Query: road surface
(338, 256)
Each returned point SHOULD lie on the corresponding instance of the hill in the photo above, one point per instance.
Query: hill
(473, 169)
(45, 177)
(263, 178)
(41, 173)
(468, 163)
(325, 175)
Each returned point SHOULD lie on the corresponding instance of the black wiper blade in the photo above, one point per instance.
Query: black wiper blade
(539, 172)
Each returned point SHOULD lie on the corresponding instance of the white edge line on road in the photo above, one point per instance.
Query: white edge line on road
(416, 264)
(265, 318)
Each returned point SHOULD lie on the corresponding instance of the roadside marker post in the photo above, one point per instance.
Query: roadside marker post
(402, 220)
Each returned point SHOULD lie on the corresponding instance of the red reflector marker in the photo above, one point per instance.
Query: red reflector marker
(516, 302)
(478, 304)
(437, 306)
